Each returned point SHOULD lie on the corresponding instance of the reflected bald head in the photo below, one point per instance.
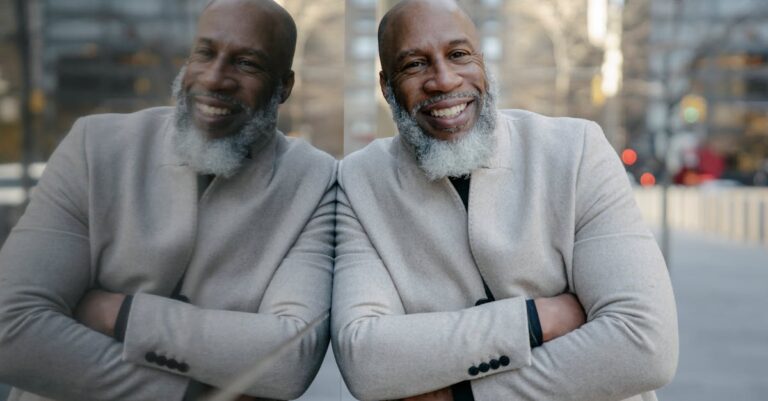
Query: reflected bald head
(283, 24)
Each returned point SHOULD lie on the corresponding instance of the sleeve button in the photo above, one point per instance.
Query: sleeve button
(484, 367)
(473, 371)
(161, 360)
(504, 360)
(172, 364)
(150, 357)
(495, 364)
(183, 367)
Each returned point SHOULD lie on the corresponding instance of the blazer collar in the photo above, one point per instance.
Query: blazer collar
(503, 153)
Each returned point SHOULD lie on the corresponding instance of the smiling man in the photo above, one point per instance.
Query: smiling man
(468, 245)
(167, 251)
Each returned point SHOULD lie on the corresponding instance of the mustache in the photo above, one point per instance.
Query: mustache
(439, 98)
(219, 96)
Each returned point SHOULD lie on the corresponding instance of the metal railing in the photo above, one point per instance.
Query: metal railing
(738, 214)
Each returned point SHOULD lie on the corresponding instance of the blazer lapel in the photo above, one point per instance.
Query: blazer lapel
(494, 209)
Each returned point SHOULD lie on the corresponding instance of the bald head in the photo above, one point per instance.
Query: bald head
(279, 25)
(407, 12)
(239, 66)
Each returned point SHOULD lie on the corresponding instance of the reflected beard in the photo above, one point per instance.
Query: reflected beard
(449, 158)
(219, 156)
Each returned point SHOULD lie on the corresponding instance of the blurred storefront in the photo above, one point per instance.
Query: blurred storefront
(709, 80)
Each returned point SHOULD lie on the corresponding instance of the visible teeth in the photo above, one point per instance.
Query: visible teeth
(213, 111)
(449, 112)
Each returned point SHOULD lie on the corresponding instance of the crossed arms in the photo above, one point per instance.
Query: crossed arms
(627, 346)
(46, 268)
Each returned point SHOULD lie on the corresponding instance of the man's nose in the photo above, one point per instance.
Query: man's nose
(444, 78)
(216, 77)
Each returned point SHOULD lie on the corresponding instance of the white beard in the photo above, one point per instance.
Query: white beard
(449, 158)
(222, 156)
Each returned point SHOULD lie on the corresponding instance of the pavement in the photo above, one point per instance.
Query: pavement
(722, 299)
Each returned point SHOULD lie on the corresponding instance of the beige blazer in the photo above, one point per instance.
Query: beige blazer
(116, 209)
(553, 212)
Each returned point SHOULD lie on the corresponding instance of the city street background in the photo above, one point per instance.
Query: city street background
(680, 88)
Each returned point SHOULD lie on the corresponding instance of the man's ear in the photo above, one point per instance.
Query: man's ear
(287, 82)
(383, 84)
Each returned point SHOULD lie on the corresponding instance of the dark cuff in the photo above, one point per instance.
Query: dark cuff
(122, 318)
(534, 326)
(462, 391)
(196, 391)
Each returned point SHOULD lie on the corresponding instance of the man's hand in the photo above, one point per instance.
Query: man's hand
(559, 315)
(98, 310)
(440, 395)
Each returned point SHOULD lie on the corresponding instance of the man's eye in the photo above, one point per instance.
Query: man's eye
(248, 65)
(413, 65)
(203, 52)
(459, 54)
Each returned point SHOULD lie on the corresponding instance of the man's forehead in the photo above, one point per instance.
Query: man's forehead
(426, 23)
(259, 27)
(237, 35)
(238, 13)
(243, 47)
(418, 11)
(263, 18)
(445, 31)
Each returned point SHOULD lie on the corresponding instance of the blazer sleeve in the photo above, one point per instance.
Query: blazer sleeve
(45, 268)
(629, 344)
(384, 353)
(215, 346)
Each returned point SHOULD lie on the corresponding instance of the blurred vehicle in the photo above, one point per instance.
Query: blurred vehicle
(716, 184)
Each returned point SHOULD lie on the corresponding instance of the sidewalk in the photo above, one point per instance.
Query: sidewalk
(722, 297)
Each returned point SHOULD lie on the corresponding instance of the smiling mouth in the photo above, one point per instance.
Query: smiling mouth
(448, 112)
(213, 111)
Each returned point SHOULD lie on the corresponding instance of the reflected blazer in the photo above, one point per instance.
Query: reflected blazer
(117, 210)
(553, 211)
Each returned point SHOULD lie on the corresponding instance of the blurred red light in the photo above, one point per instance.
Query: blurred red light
(629, 157)
(647, 180)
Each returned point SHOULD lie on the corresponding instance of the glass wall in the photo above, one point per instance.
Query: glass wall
(680, 88)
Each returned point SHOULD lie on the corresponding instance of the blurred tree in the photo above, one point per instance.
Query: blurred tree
(316, 108)
(564, 24)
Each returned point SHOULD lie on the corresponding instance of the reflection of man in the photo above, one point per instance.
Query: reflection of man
(217, 228)
(446, 229)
